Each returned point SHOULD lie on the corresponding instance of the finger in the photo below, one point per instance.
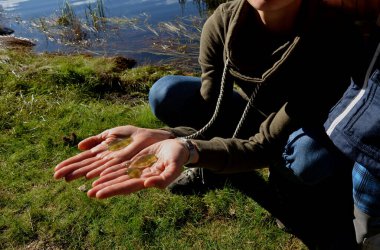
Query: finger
(92, 141)
(104, 182)
(64, 170)
(152, 171)
(78, 158)
(79, 172)
(167, 176)
(110, 177)
(114, 168)
(106, 154)
(122, 188)
(97, 171)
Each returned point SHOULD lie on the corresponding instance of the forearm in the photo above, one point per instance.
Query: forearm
(236, 155)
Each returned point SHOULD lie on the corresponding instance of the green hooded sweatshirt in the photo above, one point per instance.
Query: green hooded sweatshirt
(292, 79)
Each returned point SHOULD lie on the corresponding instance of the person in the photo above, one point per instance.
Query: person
(354, 127)
(288, 72)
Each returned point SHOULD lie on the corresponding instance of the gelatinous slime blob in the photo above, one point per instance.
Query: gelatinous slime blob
(118, 144)
(136, 167)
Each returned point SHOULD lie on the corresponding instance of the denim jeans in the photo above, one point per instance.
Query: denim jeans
(176, 101)
(309, 160)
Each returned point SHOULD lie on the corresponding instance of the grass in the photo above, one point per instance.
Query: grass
(44, 100)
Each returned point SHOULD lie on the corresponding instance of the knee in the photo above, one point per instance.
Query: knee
(309, 161)
(160, 91)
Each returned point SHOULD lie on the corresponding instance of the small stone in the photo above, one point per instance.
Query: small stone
(82, 188)
(5, 31)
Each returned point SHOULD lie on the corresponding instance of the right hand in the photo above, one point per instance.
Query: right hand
(96, 157)
(171, 156)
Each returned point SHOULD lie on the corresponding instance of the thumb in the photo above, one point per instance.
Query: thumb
(90, 142)
(164, 179)
(157, 182)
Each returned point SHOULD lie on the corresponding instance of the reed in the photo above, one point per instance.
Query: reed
(96, 17)
(70, 23)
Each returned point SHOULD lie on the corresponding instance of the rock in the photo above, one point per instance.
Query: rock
(5, 31)
(83, 188)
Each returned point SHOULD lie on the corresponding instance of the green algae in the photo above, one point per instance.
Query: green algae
(136, 167)
(118, 144)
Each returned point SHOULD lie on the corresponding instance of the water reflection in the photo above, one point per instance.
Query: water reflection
(10, 4)
(149, 31)
(75, 3)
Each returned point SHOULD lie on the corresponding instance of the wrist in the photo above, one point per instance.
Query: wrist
(192, 150)
(167, 133)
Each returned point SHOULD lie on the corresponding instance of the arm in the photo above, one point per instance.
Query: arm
(236, 155)
(224, 155)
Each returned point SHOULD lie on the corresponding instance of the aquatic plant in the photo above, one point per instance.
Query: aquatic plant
(68, 19)
(177, 40)
(67, 27)
(96, 17)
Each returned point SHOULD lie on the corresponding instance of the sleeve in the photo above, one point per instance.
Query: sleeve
(211, 55)
(237, 155)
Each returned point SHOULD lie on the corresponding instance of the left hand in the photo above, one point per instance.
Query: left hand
(171, 154)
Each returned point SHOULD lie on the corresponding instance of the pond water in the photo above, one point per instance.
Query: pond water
(150, 31)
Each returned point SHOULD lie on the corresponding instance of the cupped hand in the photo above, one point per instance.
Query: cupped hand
(96, 156)
(171, 156)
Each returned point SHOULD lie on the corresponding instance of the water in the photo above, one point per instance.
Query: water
(150, 31)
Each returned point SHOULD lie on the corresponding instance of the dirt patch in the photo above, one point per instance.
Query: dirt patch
(122, 63)
(16, 42)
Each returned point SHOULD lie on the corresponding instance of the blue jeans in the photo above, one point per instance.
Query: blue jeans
(309, 160)
(176, 101)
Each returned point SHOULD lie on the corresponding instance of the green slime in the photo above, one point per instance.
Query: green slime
(118, 144)
(136, 167)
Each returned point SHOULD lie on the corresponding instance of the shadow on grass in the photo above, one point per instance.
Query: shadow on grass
(320, 216)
